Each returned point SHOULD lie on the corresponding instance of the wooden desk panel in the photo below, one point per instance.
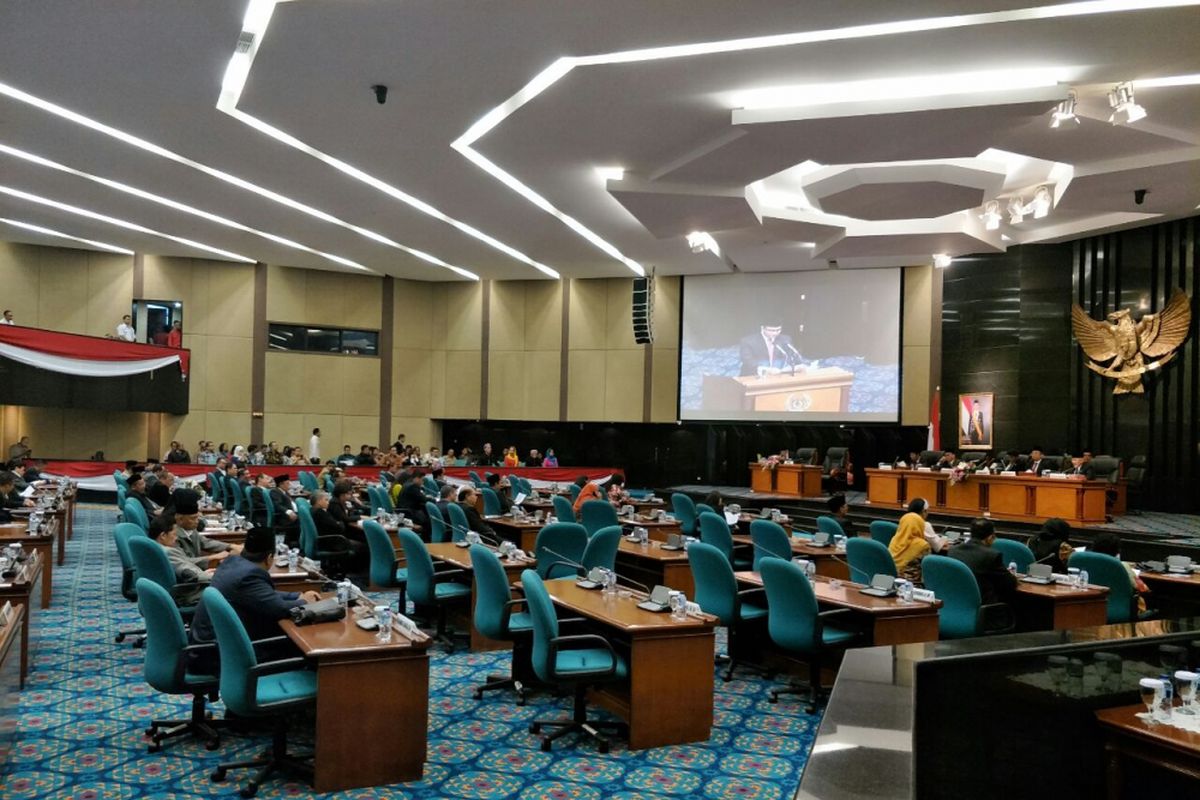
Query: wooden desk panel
(800, 480)
(460, 558)
(886, 487)
(656, 566)
(522, 534)
(43, 545)
(1060, 608)
(11, 679)
(965, 497)
(1130, 737)
(372, 704)
(761, 480)
(922, 484)
(1010, 500)
(18, 590)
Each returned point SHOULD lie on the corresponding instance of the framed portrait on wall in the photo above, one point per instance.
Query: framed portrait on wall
(975, 414)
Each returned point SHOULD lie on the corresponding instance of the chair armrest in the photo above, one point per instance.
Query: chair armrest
(281, 665)
(181, 664)
(507, 609)
(444, 575)
(331, 541)
(269, 640)
(997, 611)
(577, 642)
(824, 615)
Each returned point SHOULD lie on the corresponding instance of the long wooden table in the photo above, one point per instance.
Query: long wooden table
(372, 704)
(1021, 498)
(1174, 594)
(42, 544)
(888, 620)
(668, 698)
(830, 561)
(18, 590)
(460, 558)
(654, 565)
(796, 480)
(1128, 737)
(11, 678)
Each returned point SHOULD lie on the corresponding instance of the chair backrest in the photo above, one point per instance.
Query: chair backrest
(574, 489)
(792, 620)
(1014, 551)
(601, 549)
(597, 514)
(684, 509)
(545, 623)
(927, 458)
(121, 498)
(568, 540)
(868, 558)
(237, 498)
(150, 561)
(458, 522)
(216, 488)
(383, 555)
(136, 514)
(120, 478)
(974, 456)
(373, 497)
(430, 486)
(308, 528)
(1106, 468)
(835, 458)
(1052, 463)
(237, 654)
(385, 498)
(329, 484)
(421, 587)
(882, 531)
(491, 502)
(827, 524)
(491, 592)
(805, 455)
(563, 510)
(165, 637)
(1106, 570)
(474, 476)
(266, 512)
(437, 523)
(770, 541)
(1136, 474)
(122, 533)
(307, 480)
(955, 585)
(714, 531)
(716, 588)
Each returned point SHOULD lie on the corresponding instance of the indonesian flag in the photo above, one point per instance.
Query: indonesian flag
(935, 435)
(88, 356)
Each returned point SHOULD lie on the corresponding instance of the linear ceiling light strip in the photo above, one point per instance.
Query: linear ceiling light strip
(29, 226)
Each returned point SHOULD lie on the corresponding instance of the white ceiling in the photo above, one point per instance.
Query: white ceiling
(154, 69)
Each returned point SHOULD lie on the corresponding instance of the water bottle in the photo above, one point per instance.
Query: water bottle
(293, 559)
(906, 592)
(810, 571)
(1012, 567)
(383, 617)
(1165, 699)
(343, 593)
(1083, 578)
(678, 606)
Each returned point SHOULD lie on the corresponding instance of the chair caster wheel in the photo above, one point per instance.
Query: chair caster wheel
(120, 637)
(810, 710)
(773, 698)
(150, 732)
(520, 699)
(726, 678)
(153, 747)
(477, 694)
(248, 791)
(545, 745)
(603, 747)
(212, 744)
(217, 776)
(534, 727)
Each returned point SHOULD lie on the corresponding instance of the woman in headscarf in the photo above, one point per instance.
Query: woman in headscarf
(1050, 544)
(908, 546)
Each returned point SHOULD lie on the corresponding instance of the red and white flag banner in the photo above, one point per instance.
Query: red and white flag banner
(88, 356)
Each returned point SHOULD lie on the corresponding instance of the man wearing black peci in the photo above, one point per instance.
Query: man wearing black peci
(769, 348)
(996, 583)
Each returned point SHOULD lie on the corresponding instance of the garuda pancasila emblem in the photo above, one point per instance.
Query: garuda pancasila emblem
(1133, 348)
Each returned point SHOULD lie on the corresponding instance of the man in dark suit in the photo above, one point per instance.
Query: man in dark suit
(1036, 465)
(447, 496)
(411, 500)
(1011, 461)
(768, 348)
(287, 521)
(1084, 467)
(996, 583)
(493, 482)
(245, 581)
(466, 499)
(487, 458)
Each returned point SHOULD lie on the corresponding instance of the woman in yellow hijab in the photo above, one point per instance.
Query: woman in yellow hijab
(908, 546)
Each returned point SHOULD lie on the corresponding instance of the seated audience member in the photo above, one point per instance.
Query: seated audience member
(486, 458)
(344, 507)
(10, 497)
(177, 455)
(287, 521)
(467, 498)
(908, 546)
(33, 473)
(616, 489)
(996, 583)
(511, 459)
(914, 460)
(1035, 464)
(550, 460)
(410, 497)
(160, 492)
(190, 577)
(245, 581)
(331, 519)
(500, 487)
(137, 491)
(20, 450)
(152, 473)
(1050, 545)
(466, 458)
(947, 461)
(534, 459)
(839, 509)
(1011, 461)
(715, 501)
(364, 457)
(446, 495)
(588, 490)
(256, 455)
(920, 505)
(450, 458)
(195, 545)
(1109, 544)
(439, 476)
(7, 317)
(1083, 466)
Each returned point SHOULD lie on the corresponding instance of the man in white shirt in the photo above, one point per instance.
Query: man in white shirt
(314, 446)
(125, 330)
(7, 319)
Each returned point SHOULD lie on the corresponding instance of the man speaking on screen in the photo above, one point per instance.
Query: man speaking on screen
(768, 350)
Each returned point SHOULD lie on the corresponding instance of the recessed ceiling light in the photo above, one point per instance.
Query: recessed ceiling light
(121, 223)
(112, 248)
(606, 174)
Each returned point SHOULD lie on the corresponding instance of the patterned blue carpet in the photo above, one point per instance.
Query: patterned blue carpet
(85, 706)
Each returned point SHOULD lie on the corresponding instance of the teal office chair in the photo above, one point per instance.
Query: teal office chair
(868, 558)
(568, 540)
(563, 510)
(307, 480)
(704, 508)
(432, 590)
(574, 662)
(373, 499)
(714, 531)
(882, 531)
(216, 488)
(827, 524)
(150, 562)
(437, 523)
(684, 510)
(458, 522)
(120, 479)
(165, 668)
(122, 533)
(136, 514)
(496, 617)
(491, 502)
(120, 501)
(717, 593)
(475, 479)
(1106, 570)
(385, 571)
(248, 500)
(237, 498)
(597, 514)
(770, 541)
(252, 689)
(385, 499)
(329, 484)
(266, 509)
(963, 613)
(520, 485)
(430, 486)
(1015, 552)
(797, 626)
(601, 549)
(573, 490)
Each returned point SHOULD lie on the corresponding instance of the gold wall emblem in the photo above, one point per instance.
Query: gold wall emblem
(1125, 350)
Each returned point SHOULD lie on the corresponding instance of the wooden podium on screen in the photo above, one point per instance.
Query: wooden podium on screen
(825, 390)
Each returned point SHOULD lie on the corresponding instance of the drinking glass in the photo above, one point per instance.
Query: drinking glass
(678, 606)
(1058, 672)
(1185, 689)
(1150, 688)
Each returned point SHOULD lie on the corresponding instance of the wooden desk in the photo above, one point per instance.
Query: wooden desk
(18, 590)
(521, 533)
(668, 698)
(10, 679)
(653, 565)
(460, 558)
(830, 561)
(800, 480)
(762, 480)
(372, 704)
(300, 581)
(1021, 498)
(1163, 746)
(658, 531)
(889, 621)
(1175, 595)
(1058, 607)
(43, 545)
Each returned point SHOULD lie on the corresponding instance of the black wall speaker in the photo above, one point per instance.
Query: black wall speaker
(643, 310)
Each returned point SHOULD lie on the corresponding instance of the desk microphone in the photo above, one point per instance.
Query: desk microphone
(771, 552)
(563, 560)
(490, 537)
(794, 351)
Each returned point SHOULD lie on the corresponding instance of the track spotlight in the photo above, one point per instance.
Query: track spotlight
(700, 241)
(991, 215)
(1042, 202)
(1016, 211)
(1064, 111)
(1125, 110)
(941, 260)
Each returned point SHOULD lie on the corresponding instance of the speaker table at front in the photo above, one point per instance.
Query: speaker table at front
(825, 390)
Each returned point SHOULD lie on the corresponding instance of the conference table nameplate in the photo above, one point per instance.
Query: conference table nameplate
(1020, 498)
(42, 544)
(668, 698)
(372, 704)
